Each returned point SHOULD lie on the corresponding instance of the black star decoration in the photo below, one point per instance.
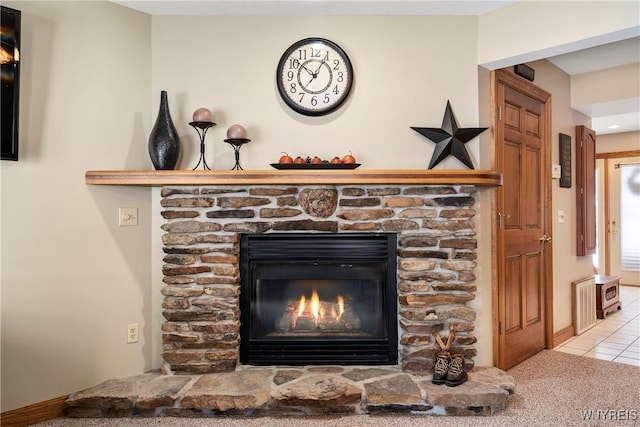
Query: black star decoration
(450, 139)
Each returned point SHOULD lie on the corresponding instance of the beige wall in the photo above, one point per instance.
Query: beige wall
(402, 79)
(626, 141)
(618, 85)
(92, 71)
(71, 278)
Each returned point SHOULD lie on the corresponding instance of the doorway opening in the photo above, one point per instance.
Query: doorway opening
(618, 200)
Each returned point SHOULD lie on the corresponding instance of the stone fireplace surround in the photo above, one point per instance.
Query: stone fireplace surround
(432, 213)
(436, 260)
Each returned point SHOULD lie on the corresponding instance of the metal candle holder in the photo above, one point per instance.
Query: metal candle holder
(201, 128)
(237, 143)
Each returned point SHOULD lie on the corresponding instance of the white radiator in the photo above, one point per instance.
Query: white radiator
(583, 292)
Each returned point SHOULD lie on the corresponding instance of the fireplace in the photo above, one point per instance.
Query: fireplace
(209, 227)
(318, 299)
(414, 270)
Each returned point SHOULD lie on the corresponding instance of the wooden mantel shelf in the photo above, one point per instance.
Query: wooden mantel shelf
(153, 178)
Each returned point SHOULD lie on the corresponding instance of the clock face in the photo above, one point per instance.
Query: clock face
(314, 76)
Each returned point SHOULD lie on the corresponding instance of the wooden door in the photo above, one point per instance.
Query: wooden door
(522, 154)
(585, 191)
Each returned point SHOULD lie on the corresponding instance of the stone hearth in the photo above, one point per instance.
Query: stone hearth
(293, 391)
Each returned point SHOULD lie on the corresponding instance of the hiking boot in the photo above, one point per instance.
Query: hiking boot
(456, 374)
(441, 368)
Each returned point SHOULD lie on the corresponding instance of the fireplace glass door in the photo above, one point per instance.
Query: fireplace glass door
(318, 299)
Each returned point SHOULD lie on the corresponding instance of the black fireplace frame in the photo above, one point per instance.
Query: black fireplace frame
(320, 248)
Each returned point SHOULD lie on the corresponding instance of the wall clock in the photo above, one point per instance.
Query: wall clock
(314, 76)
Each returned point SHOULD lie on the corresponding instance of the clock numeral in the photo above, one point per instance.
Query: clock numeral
(293, 88)
(302, 54)
(301, 97)
(340, 77)
(336, 64)
(315, 53)
(335, 90)
(294, 64)
(290, 75)
(326, 99)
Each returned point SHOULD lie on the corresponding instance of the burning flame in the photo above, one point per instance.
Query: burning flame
(322, 312)
(301, 305)
(315, 305)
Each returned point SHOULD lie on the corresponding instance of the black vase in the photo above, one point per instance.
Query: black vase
(164, 143)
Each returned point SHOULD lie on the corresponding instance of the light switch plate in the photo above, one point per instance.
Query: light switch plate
(562, 217)
(127, 217)
(556, 171)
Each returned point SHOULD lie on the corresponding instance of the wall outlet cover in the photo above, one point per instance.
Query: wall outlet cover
(132, 333)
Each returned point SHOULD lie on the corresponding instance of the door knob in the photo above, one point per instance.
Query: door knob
(545, 238)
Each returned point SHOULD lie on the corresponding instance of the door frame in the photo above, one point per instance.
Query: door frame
(505, 77)
(605, 245)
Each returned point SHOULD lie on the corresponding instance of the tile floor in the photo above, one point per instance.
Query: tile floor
(616, 337)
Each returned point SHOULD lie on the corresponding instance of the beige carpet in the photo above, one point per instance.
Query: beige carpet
(553, 389)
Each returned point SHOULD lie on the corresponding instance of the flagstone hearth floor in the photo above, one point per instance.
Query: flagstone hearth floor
(293, 391)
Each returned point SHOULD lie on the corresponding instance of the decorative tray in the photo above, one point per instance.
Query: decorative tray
(283, 166)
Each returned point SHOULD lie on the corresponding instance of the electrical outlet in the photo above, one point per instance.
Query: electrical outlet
(132, 333)
(127, 217)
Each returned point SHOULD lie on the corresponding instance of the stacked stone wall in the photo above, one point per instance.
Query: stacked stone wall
(436, 261)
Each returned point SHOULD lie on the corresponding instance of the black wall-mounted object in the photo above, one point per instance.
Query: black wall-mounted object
(525, 71)
(565, 160)
(449, 139)
(10, 71)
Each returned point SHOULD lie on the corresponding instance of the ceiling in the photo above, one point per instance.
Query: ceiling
(623, 113)
(314, 7)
